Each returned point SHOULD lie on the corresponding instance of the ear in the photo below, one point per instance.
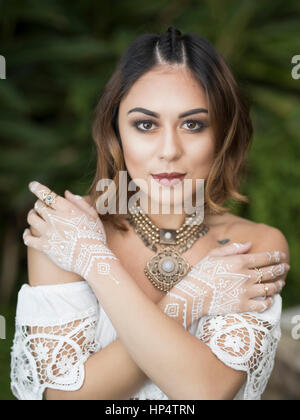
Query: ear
(81, 203)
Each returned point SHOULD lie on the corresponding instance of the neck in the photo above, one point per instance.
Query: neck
(168, 219)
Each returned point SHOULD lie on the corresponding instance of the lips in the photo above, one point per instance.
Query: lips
(170, 175)
(169, 179)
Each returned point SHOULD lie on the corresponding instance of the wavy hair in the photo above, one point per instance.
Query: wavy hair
(227, 107)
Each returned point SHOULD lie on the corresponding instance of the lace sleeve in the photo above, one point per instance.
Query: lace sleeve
(54, 336)
(245, 342)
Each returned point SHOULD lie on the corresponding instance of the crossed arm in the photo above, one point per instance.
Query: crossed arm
(121, 376)
(113, 373)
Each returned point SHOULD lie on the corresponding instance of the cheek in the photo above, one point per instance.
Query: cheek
(136, 158)
(132, 152)
(201, 158)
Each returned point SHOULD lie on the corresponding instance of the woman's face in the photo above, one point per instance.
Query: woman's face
(166, 142)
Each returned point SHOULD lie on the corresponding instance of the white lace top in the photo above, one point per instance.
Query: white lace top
(59, 326)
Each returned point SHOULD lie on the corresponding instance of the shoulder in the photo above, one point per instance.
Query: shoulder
(272, 238)
(263, 237)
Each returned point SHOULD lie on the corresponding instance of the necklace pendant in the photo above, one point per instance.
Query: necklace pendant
(166, 269)
(167, 236)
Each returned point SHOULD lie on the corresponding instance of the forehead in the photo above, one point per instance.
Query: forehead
(165, 89)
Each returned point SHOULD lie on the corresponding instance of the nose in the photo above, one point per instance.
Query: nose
(170, 147)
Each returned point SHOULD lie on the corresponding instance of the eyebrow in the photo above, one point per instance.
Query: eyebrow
(156, 115)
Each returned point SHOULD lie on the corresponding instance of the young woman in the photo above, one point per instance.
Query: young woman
(144, 305)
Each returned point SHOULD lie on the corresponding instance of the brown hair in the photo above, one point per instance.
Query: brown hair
(227, 107)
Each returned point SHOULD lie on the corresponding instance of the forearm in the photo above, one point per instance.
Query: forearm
(159, 339)
(112, 374)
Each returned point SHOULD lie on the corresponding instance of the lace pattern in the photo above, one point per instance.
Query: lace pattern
(50, 352)
(243, 342)
(51, 357)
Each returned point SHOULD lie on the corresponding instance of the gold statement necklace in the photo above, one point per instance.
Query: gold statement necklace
(167, 267)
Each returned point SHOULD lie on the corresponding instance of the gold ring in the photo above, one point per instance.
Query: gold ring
(266, 290)
(49, 198)
(260, 275)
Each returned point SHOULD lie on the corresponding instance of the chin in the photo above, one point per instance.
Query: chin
(159, 202)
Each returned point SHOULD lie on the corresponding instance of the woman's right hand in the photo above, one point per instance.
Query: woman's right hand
(225, 281)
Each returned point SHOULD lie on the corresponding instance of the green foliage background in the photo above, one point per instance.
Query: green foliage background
(60, 54)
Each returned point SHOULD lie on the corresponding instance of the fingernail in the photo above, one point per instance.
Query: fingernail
(32, 185)
(77, 197)
(247, 243)
(237, 245)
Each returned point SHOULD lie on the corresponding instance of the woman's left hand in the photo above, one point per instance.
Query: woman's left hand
(72, 236)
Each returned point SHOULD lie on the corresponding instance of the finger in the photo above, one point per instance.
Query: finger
(276, 271)
(81, 203)
(43, 210)
(258, 290)
(30, 240)
(42, 192)
(234, 248)
(261, 259)
(270, 273)
(260, 305)
(34, 232)
(36, 222)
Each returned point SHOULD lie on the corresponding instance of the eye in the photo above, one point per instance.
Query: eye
(138, 122)
(201, 125)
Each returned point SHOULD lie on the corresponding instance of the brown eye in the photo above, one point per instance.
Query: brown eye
(196, 127)
(201, 125)
(144, 123)
(191, 122)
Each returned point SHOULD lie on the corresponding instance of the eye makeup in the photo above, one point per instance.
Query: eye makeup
(201, 125)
